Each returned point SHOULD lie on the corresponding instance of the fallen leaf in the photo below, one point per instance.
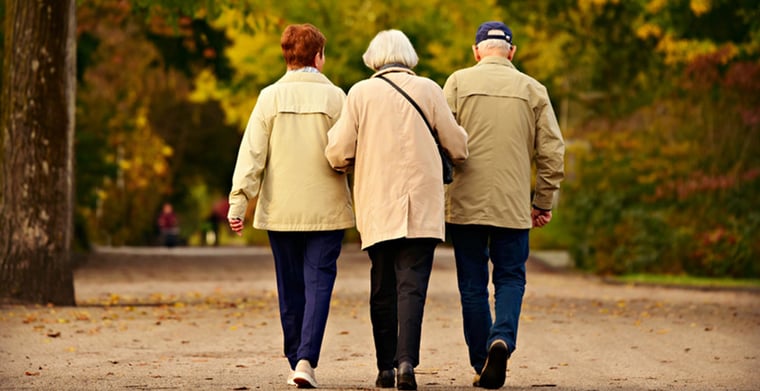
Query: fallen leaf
(31, 373)
(54, 334)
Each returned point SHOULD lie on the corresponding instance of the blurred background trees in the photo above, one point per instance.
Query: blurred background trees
(658, 99)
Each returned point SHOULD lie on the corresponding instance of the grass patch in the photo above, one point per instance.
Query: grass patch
(689, 281)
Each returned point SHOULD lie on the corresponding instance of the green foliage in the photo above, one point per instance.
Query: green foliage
(139, 140)
(672, 188)
(657, 100)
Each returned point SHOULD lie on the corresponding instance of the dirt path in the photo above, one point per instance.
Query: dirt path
(207, 319)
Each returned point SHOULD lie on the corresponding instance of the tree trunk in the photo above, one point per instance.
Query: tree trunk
(36, 151)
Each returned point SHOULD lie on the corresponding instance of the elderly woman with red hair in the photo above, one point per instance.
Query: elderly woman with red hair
(303, 204)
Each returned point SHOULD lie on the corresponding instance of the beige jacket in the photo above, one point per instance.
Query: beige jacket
(398, 186)
(281, 159)
(511, 124)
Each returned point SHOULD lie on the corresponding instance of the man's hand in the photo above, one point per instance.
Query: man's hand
(540, 217)
(237, 226)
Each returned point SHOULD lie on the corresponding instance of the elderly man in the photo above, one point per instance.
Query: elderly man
(511, 125)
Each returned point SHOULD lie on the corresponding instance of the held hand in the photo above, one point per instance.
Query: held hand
(540, 217)
(237, 226)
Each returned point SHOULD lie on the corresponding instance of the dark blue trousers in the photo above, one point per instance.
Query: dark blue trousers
(305, 264)
(507, 250)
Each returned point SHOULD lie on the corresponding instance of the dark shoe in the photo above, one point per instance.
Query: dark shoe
(495, 371)
(406, 380)
(385, 379)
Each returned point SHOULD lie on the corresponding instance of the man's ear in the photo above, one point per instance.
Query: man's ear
(512, 52)
(475, 52)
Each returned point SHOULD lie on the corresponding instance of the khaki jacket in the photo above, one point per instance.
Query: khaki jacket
(511, 124)
(398, 185)
(281, 159)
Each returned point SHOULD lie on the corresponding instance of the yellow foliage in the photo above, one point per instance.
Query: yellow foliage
(586, 5)
(699, 7)
(654, 6)
(167, 151)
(679, 51)
(255, 55)
(206, 88)
(141, 120)
(647, 30)
(647, 179)
(125, 164)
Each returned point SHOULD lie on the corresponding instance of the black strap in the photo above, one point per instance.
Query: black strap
(416, 106)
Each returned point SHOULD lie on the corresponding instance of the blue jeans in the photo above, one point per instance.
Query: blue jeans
(508, 250)
(305, 264)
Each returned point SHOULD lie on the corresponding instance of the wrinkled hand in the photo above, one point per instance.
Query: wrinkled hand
(540, 217)
(237, 226)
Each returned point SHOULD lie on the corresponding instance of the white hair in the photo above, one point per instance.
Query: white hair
(495, 43)
(389, 47)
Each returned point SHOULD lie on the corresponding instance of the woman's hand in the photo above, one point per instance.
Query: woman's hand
(236, 225)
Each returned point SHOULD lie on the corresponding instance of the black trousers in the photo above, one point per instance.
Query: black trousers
(399, 281)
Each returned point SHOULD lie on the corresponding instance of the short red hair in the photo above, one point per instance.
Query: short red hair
(300, 44)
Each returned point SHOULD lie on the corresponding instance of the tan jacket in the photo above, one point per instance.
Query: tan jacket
(398, 186)
(510, 123)
(281, 159)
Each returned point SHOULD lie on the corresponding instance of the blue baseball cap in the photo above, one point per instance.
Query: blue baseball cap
(485, 31)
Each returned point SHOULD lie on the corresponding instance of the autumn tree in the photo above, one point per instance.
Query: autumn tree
(36, 151)
(36, 147)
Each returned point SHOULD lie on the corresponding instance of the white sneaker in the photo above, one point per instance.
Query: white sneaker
(304, 375)
(291, 382)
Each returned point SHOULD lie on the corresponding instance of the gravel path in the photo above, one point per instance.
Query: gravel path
(207, 319)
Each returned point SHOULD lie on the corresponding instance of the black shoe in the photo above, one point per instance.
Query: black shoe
(385, 379)
(495, 371)
(406, 380)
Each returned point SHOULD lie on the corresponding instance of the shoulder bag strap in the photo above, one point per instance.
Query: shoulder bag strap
(416, 106)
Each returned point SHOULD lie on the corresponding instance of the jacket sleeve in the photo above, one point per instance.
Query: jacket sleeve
(341, 138)
(453, 137)
(251, 161)
(550, 154)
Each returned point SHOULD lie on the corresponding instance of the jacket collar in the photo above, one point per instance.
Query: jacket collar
(499, 60)
(290, 77)
(394, 69)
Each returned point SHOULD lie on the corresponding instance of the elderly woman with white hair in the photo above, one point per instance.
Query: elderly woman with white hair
(398, 192)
